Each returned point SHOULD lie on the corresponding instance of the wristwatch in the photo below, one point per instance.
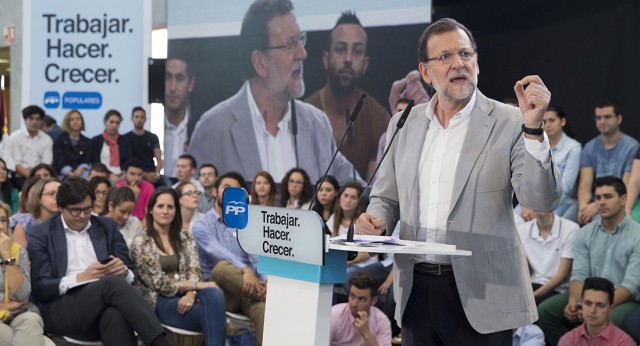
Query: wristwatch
(10, 261)
(535, 131)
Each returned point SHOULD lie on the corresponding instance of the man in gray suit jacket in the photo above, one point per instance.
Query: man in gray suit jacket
(457, 188)
(253, 130)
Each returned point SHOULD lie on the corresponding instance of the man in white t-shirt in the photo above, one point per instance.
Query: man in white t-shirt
(548, 244)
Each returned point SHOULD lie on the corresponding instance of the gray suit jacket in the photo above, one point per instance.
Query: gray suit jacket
(224, 136)
(493, 283)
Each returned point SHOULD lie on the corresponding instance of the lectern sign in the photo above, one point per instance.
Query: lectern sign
(289, 234)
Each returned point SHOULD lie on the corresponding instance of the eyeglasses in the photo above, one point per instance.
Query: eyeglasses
(192, 193)
(604, 117)
(298, 182)
(447, 57)
(75, 212)
(293, 43)
(101, 193)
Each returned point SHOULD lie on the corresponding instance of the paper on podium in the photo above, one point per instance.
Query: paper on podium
(387, 244)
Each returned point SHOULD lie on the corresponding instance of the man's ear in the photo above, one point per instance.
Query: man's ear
(325, 60)
(259, 63)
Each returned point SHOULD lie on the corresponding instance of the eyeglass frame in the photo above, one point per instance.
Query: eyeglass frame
(447, 61)
(75, 212)
(190, 193)
(292, 44)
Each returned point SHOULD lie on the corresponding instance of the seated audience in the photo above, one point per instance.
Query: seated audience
(186, 169)
(8, 194)
(189, 195)
(43, 171)
(70, 149)
(359, 322)
(23, 216)
(548, 244)
(98, 170)
(82, 275)
(529, 335)
(607, 248)
(566, 155)
(171, 279)
(142, 189)
(608, 154)
(222, 259)
(295, 190)
(50, 127)
(326, 198)
(207, 177)
(263, 189)
(27, 147)
(339, 222)
(42, 204)
(596, 310)
(100, 186)
(109, 148)
(21, 324)
(120, 202)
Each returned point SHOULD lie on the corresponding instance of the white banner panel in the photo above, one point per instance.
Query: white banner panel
(206, 18)
(86, 55)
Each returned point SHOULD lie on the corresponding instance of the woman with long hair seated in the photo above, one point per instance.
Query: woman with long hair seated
(189, 200)
(70, 149)
(120, 204)
(263, 189)
(295, 189)
(100, 186)
(326, 197)
(23, 217)
(8, 194)
(43, 206)
(20, 324)
(166, 259)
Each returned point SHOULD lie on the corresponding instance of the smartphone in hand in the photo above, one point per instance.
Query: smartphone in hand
(106, 260)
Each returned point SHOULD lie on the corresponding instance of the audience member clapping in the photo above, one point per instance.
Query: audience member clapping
(167, 260)
(42, 205)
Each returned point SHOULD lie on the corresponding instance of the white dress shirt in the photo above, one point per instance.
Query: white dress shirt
(80, 255)
(28, 151)
(277, 153)
(438, 163)
(175, 143)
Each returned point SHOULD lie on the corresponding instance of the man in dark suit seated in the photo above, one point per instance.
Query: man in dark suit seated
(81, 275)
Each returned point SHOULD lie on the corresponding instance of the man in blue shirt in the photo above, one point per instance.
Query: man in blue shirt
(610, 153)
(608, 248)
(222, 258)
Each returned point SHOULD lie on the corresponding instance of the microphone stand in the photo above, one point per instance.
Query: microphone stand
(403, 118)
(294, 129)
(353, 117)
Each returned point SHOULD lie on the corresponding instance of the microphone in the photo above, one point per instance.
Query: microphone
(403, 118)
(352, 119)
(294, 128)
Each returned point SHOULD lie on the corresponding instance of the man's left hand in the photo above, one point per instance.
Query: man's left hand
(116, 267)
(533, 100)
(362, 323)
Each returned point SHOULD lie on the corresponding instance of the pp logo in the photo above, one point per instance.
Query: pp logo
(234, 206)
(51, 99)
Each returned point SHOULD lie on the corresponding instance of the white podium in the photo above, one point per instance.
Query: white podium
(302, 265)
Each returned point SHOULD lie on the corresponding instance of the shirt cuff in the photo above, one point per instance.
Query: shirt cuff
(540, 151)
(68, 282)
(130, 276)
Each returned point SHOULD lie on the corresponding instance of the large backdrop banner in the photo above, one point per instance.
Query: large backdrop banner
(205, 34)
(91, 58)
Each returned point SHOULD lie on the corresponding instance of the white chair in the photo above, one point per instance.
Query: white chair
(82, 342)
